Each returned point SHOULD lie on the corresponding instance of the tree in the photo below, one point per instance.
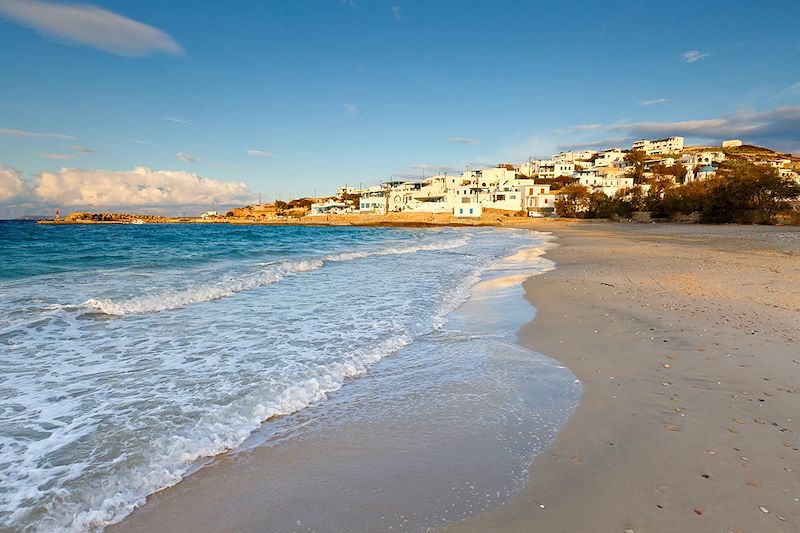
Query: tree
(676, 172)
(354, 199)
(573, 200)
(636, 159)
(659, 186)
(562, 181)
(687, 198)
(600, 206)
(743, 186)
(304, 203)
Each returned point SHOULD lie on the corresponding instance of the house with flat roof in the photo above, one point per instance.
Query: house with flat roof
(659, 146)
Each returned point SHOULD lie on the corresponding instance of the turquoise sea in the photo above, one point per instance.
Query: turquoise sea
(129, 354)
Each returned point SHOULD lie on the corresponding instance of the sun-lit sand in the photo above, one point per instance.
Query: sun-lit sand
(686, 341)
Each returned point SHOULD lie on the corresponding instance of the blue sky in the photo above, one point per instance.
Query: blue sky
(223, 100)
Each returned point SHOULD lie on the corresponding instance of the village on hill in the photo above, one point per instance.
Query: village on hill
(577, 183)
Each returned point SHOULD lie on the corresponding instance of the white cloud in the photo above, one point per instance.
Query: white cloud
(259, 153)
(138, 187)
(351, 109)
(9, 132)
(92, 26)
(775, 128)
(83, 149)
(396, 12)
(654, 101)
(693, 56)
(186, 157)
(139, 141)
(60, 157)
(10, 184)
(177, 120)
(595, 144)
(462, 140)
(578, 128)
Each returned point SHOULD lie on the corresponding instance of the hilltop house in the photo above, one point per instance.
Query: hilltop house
(659, 146)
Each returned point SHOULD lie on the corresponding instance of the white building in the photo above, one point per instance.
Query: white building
(564, 169)
(373, 200)
(608, 157)
(574, 157)
(328, 207)
(589, 178)
(348, 191)
(659, 146)
(537, 198)
(613, 184)
(468, 211)
(731, 143)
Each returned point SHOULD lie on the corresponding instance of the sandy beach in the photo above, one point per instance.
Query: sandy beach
(686, 341)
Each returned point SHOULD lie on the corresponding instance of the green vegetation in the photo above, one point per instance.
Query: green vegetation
(636, 158)
(741, 192)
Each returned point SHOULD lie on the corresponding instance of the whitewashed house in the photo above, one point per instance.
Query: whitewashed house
(329, 207)
(659, 146)
(608, 157)
(373, 200)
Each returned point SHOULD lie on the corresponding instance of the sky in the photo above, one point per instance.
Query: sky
(191, 105)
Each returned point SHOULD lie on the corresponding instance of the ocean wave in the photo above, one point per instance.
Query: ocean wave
(269, 273)
(228, 382)
(217, 434)
(195, 295)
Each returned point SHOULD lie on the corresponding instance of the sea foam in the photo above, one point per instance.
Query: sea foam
(265, 275)
(98, 414)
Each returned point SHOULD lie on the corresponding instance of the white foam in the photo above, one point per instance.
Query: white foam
(271, 273)
(194, 295)
(220, 377)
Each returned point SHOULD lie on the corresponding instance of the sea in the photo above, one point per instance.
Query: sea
(131, 356)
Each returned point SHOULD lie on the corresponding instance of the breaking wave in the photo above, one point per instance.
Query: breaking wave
(268, 273)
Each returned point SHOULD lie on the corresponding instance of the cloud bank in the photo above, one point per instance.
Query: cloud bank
(92, 26)
(140, 187)
(776, 128)
(10, 184)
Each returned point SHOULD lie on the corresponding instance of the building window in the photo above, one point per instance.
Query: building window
(460, 210)
(470, 210)
(546, 200)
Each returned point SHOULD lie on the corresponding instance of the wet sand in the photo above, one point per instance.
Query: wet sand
(444, 428)
(686, 340)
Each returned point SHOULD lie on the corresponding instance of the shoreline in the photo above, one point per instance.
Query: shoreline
(688, 419)
(450, 443)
